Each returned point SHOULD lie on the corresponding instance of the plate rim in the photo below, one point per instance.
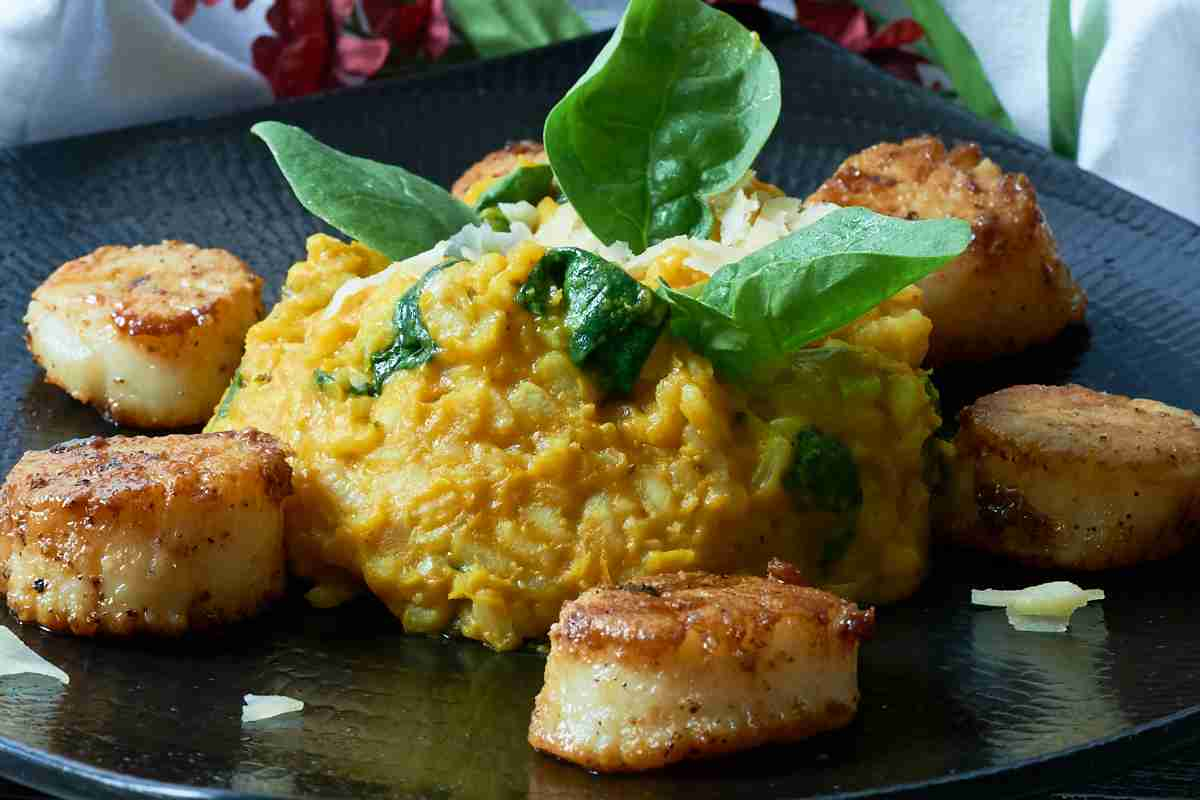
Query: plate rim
(45, 771)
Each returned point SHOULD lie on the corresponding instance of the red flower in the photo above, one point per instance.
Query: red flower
(359, 58)
(183, 10)
(319, 44)
(299, 59)
(850, 27)
(416, 27)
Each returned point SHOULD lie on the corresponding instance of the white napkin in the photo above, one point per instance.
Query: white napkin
(75, 66)
(1140, 119)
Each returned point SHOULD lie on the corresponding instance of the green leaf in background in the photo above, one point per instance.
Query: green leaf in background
(755, 312)
(500, 27)
(1089, 43)
(1070, 61)
(383, 206)
(413, 345)
(614, 320)
(528, 183)
(1060, 60)
(675, 108)
(958, 58)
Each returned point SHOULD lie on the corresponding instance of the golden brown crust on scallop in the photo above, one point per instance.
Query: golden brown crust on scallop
(499, 162)
(658, 612)
(150, 335)
(1009, 290)
(110, 472)
(1076, 424)
(162, 290)
(145, 535)
(691, 665)
(1063, 476)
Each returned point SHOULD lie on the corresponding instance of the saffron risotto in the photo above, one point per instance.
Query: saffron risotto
(479, 491)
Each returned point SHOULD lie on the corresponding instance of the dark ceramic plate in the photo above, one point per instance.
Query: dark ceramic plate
(950, 693)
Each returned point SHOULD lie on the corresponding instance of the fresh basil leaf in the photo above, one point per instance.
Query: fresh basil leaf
(235, 385)
(497, 29)
(614, 321)
(675, 108)
(412, 346)
(383, 206)
(529, 183)
(775, 301)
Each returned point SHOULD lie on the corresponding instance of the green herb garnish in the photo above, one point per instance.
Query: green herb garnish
(823, 475)
(412, 346)
(674, 109)
(755, 312)
(235, 386)
(322, 378)
(495, 219)
(614, 321)
(383, 206)
(529, 183)
(824, 478)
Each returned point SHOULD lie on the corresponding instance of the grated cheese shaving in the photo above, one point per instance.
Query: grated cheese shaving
(1046, 608)
(264, 706)
(17, 659)
(521, 211)
(415, 266)
(473, 241)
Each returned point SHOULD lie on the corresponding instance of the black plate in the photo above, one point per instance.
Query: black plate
(950, 693)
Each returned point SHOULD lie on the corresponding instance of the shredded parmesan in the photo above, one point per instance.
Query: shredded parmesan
(1046, 608)
(474, 240)
(565, 228)
(415, 266)
(17, 659)
(264, 706)
(521, 211)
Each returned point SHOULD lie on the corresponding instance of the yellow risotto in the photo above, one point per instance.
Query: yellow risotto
(482, 489)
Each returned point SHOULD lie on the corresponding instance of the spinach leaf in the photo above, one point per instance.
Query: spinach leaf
(528, 183)
(234, 386)
(674, 109)
(495, 220)
(757, 311)
(824, 477)
(412, 346)
(497, 29)
(614, 320)
(383, 206)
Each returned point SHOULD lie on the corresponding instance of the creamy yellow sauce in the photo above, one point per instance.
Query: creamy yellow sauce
(481, 490)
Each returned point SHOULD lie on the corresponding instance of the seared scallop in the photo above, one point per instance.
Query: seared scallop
(144, 535)
(500, 162)
(1063, 476)
(690, 665)
(150, 335)
(1010, 289)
